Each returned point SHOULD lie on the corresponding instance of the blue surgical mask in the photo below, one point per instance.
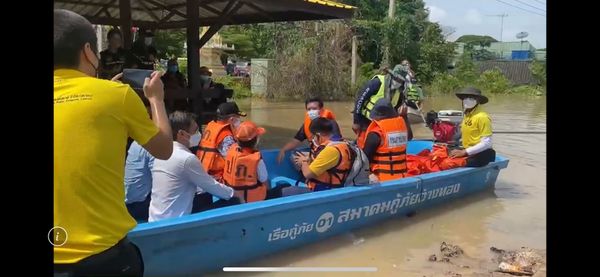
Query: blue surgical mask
(172, 68)
(204, 78)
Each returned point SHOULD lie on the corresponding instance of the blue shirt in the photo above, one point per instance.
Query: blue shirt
(138, 177)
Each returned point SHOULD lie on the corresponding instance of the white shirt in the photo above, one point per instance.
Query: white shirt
(484, 144)
(175, 181)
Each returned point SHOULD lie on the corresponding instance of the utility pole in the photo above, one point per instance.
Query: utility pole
(386, 53)
(502, 16)
(353, 73)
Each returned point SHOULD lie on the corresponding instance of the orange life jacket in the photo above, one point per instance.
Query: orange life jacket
(335, 176)
(361, 139)
(208, 152)
(241, 173)
(433, 160)
(389, 162)
(324, 113)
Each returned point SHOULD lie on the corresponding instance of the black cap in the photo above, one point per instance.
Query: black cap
(383, 109)
(229, 108)
(147, 33)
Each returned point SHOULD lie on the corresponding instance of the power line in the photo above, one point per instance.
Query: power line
(530, 5)
(520, 8)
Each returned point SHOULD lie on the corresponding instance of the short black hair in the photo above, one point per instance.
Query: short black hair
(112, 32)
(321, 125)
(248, 144)
(71, 33)
(314, 99)
(180, 120)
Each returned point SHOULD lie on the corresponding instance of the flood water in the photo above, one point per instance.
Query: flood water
(511, 216)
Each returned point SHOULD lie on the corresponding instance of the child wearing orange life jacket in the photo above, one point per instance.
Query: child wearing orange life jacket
(245, 171)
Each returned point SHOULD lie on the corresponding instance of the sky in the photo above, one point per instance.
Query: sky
(475, 17)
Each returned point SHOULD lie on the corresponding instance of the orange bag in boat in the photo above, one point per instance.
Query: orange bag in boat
(433, 160)
(415, 164)
(450, 163)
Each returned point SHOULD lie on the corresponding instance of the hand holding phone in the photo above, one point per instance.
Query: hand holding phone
(154, 87)
(135, 77)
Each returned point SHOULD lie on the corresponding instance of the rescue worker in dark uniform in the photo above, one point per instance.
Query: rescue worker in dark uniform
(389, 86)
(114, 58)
(144, 54)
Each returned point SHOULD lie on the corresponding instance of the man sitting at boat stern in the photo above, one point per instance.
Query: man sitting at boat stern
(385, 142)
(476, 130)
(333, 160)
(245, 171)
(176, 180)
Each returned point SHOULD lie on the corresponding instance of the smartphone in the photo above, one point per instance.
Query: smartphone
(135, 77)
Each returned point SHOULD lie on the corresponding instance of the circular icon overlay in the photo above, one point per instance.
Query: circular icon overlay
(57, 236)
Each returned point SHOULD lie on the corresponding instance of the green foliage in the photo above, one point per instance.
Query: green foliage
(445, 83)
(169, 43)
(465, 70)
(483, 41)
(409, 34)
(528, 90)
(493, 81)
(240, 85)
(538, 69)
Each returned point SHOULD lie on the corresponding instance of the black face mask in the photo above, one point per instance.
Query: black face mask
(91, 63)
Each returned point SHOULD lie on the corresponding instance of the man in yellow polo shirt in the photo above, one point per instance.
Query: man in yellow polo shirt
(332, 161)
(476, 129)
(92, 120)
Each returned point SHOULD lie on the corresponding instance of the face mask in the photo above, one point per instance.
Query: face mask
(204, 78)
(147, 41)
(236, 122)
(172, 68)
(469, 103)
(312, 114)
(195, 139)
(395, 85)
(315, 141)
(94, 66)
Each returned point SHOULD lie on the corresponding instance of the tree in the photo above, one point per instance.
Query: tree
(410, 36)
(447, 31)
(476, 40)
(538, 70)
(170, 43)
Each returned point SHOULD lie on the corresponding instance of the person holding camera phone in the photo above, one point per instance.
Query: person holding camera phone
(92, 120)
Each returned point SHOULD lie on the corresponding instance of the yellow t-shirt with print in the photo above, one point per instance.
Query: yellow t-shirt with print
(92, 120)
(475, 125)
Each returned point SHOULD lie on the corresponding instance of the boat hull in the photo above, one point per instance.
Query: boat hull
(207, 241)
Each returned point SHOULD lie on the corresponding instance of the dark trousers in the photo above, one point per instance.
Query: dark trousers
(204, 202)
(123, 259)
(482, 158)
(139, 210)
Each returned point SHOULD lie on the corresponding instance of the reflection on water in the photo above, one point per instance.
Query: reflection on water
(511, 216)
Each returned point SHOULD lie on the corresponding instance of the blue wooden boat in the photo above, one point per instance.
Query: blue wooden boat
(208, 241)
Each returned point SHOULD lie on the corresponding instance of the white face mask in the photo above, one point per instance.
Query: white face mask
(315, 141)
(236, 122)
(312, 114)
(395, 85)
(469, 103)
(195, 139)
(148, 41)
